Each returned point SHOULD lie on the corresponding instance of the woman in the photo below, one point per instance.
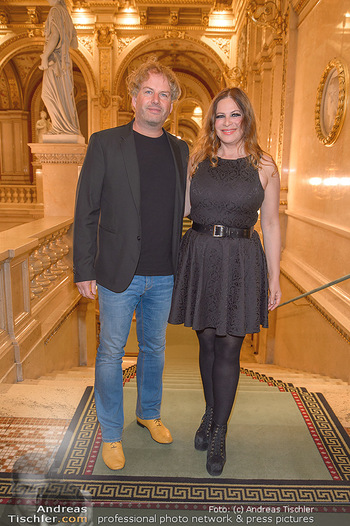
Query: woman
(225, 285)
(58, 85)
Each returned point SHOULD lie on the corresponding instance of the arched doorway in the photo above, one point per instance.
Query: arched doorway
(199, 71)
(21, 104)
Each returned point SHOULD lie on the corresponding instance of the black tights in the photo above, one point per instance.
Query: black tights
(219, 365)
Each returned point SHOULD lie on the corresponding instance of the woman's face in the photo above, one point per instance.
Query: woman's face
(228, 122)
(53, 2)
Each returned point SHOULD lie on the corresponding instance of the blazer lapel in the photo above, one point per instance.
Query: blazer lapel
(179, 197)
(131, 164)
(180, 181)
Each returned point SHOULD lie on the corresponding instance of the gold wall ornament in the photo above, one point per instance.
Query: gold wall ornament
(104, 36)
(33, 16)
(269, 14)
(4, 19)
(331, 102)
(36, 32)
(233, 77)
(174, 17)
(174, 33)
(143, 17)
(87, 43)
(124, 42)
(205, 19)
(105, 99)
(224, 44)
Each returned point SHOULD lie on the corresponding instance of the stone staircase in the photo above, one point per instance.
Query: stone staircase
(57, 395)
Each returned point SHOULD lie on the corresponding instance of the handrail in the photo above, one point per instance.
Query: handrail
(330, 284)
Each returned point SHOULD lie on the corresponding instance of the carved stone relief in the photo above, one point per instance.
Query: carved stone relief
(104, 36)
(87, 43)
(4, 91)
(25, 63)
(223, 44)
(124, 42)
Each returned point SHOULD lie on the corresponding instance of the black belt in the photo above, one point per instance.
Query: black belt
(224, 231)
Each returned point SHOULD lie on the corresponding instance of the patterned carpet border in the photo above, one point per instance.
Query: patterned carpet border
(331, 439)
(109, 491)
(77, 454)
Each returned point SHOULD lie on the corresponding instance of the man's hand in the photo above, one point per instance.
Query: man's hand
(87, 289)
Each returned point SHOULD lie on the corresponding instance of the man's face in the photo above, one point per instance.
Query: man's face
(153, 104)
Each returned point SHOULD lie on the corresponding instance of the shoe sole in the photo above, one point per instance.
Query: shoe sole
(214, 473)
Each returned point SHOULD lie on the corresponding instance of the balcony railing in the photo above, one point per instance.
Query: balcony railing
(18, 194)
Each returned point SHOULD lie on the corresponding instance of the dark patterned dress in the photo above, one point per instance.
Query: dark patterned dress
(222, 282)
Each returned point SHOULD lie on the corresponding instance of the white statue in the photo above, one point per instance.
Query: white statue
(43, 126)
(58, 86)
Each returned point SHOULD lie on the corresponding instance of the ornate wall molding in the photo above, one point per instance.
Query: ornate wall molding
(331, 101)
(268, 15)
(85, 68)
(123, 42)
(224, 44)
(272, 106)
(283, 108)
(300, 5)
(10, 48)
(105, 36)
(87, 42)
(59, 158)
(6, 54)
(105, 83)
(175, 33)
(212, 54)
(234, 77)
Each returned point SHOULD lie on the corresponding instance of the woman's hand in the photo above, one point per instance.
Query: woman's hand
(275, 294)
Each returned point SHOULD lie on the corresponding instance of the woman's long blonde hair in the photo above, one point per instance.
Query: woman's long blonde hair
(208, 143)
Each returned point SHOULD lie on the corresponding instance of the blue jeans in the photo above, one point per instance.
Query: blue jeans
(150, 297)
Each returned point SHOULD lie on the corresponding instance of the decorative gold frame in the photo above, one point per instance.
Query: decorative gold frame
(331, 100)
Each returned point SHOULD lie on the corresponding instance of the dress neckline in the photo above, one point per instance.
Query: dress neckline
(237, 158)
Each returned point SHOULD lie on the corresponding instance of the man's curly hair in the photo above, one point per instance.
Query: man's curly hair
(152, 65)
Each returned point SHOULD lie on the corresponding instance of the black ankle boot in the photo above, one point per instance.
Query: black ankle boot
(216, 457)
(201, 439)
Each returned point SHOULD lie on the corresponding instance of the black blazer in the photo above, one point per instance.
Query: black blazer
(107, 225)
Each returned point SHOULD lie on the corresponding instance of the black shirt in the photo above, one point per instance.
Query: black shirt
(157, 176)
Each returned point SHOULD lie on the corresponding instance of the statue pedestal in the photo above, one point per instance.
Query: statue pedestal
(61, 138)
(57, 180)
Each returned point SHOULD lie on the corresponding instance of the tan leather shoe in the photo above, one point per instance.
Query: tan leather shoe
(112, 454)
(158, 431)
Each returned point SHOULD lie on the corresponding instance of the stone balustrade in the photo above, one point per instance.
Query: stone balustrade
(45, 325)
(18, 194)
(46, 263)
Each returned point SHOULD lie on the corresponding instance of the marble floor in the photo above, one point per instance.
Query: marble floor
(35, 414)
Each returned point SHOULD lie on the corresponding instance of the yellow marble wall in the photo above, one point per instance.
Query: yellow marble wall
(318, 229)
(323, 35)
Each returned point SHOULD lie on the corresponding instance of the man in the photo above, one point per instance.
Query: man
(128, 224)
